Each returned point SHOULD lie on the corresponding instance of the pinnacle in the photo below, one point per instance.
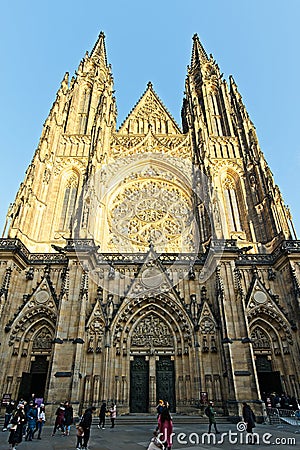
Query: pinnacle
(99, 48)
(198, 52)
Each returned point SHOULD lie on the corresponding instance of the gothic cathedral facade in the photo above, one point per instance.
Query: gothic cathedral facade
(149, 261)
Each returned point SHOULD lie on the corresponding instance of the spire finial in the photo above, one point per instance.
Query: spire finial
(198, 52)
(99, 48)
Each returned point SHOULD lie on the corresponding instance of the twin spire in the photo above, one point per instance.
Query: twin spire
(99, 49)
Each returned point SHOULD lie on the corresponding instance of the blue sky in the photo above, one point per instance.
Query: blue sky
(256, 41)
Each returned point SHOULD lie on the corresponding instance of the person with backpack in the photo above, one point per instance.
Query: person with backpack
(211, 414)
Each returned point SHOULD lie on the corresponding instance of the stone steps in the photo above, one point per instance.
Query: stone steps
(144, 419)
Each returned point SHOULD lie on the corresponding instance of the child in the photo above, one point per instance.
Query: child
(80, 434)
(155, 442)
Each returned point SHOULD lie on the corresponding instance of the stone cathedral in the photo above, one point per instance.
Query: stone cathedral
(149, 260)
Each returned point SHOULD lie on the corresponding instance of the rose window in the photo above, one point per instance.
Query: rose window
(151, 211)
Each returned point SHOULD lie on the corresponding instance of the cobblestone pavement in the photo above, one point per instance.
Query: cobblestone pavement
(136, 437)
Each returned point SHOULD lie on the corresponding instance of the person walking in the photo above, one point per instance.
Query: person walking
(10, 407)
(86, 423)
(68, 418)
(80, 435)
(102, 416)
(249, 419)
(31, 421)
(113, 414)
(211, 414)
(165, 425)
(41, 419)
(16, 431)
(59, 421)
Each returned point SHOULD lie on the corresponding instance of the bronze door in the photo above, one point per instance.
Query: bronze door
(139, 385)
(165, 381)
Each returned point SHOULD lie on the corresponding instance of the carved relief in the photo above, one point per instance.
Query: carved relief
(260, 339)
(152, 332)
(95, 330)
(42, 340)
(174, 146)
(95, 336)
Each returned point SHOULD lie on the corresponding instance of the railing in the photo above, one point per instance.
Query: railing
(278, 416)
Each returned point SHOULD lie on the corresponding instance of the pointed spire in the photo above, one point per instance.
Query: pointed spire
(99, 48)
(198, 53)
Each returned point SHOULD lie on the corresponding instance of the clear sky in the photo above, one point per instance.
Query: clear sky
(256, 41)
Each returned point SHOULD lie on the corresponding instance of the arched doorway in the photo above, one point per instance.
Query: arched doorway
(268, 378)
(35, 380)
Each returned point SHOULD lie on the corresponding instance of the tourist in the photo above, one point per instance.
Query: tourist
(155, 443)
(60, 417)
(80, 435)
(102, 416)
(160, 407)
(211, 414)
(86, 423)
(31, 421)
(165, 426)
(113, 414)
(41, 419)
(10, 407)
(68, 418)
(249, 419)
(16, 431)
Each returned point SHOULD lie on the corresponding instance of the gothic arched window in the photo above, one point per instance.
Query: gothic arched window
(84, 111)
(233, 214)
(69, 202)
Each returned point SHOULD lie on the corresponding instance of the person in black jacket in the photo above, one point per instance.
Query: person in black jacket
(68, 418)
(102, 413)
(86, 423)
(10, 408)
(249, 419)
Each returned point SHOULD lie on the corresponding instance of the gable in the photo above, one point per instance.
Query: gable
(149, 114)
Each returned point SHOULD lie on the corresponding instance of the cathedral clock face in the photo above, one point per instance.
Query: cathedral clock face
(151, 211)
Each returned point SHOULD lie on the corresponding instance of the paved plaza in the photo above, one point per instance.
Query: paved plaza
(130, 435)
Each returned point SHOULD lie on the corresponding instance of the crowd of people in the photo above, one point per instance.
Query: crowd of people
(281, 401)
(24, 419)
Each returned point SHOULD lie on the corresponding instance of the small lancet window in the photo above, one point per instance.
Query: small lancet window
(69, 202)
(233, 214)
(84, 111)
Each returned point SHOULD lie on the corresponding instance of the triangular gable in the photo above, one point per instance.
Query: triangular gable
(41, 302)
(95, 329)
(207, 319)
(149, 112)
(96, 315)
(258, 296)
(151, 279)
